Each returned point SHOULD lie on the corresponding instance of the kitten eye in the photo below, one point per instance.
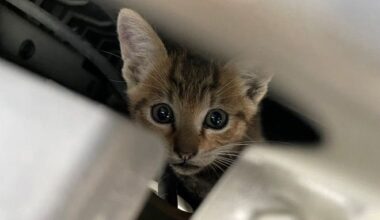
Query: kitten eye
(162, 113)
(216, 119)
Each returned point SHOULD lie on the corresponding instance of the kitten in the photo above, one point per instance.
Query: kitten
(204, 109)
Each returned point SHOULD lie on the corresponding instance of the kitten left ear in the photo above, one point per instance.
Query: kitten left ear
(255, 79)
(257, 85)
(141, 48)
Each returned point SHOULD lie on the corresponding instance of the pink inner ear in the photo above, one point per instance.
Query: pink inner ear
(128, 29)
(127, 39)
(141, 48)
(131, 37)
(126, 34)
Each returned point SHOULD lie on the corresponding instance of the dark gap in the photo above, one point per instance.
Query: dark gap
(281, 124)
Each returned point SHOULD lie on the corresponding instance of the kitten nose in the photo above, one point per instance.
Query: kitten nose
(186, 155)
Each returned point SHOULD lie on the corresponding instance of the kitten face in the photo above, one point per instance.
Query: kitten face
(201, 108)
(208, 109)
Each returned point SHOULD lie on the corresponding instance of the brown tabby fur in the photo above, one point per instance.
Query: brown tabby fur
(191, 85)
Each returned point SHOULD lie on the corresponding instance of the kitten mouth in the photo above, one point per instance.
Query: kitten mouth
(185, 168)
(185, 165)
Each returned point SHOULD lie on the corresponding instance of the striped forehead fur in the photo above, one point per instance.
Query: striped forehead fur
(191, 77)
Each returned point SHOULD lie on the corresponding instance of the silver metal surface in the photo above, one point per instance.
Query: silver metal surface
(270, 183)
(64, 33)
(51, 56)
(64, 157)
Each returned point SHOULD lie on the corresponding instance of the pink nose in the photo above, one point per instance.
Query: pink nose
(185, 156)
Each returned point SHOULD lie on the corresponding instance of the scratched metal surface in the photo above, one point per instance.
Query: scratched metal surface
(65, 157)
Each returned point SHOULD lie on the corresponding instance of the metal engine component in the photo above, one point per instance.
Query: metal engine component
(60, 41)
(65, 157)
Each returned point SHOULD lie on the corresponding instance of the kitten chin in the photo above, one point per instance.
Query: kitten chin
(190, 167)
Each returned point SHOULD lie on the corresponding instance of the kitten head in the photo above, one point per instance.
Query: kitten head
(202, 108)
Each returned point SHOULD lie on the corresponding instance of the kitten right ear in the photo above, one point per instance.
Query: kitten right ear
(141, 48)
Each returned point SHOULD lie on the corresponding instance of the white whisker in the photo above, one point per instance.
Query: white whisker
(113, 54)
(226, 164)
(217, 165)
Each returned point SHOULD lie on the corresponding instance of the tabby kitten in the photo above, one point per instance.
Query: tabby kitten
(204, 109)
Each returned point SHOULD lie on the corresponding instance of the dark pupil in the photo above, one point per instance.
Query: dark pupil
(163, 114)
(216, 119)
